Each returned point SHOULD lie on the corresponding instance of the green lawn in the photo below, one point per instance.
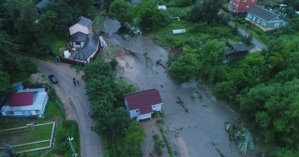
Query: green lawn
(30, 134)
(55, 43)
(200, 32)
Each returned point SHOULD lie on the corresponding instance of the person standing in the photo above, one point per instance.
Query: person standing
(78, 82)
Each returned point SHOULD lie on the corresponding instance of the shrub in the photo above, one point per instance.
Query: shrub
(113, 63)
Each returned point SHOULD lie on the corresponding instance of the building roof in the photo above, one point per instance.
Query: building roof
(262, 13)
(229, 51)
(41, 95)
(143, 100)
(78, 37)
(21, 99)
(41, 4)
(240, 47)
(85, 22)
(89, 48)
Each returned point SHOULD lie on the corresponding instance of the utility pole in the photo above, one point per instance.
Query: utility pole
(72, 147)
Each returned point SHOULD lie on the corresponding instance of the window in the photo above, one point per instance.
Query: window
(137, 111)
(252, 0)
(247, 6)
(154, 106)
(245, 0)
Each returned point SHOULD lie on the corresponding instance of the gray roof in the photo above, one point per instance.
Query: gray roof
(79, 37)
(262, 13)
(89, 48)
(240, 47)
(229, 51)
(41, 4)
(85, 22)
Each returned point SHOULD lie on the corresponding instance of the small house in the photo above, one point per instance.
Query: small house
(240, 6)
(26, 103)
(237, 50)
(142, 104)
(265, 19)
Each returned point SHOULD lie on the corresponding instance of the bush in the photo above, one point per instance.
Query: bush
(113, 63)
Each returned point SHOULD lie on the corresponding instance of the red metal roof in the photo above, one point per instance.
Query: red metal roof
(21, 99)
(143, 100)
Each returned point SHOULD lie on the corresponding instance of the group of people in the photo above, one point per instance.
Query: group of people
(74, 81)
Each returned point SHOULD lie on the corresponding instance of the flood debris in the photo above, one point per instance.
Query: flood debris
(241, 136)
(179, 101)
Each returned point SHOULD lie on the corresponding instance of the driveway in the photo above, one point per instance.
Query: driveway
(258, 45)
(75, 103)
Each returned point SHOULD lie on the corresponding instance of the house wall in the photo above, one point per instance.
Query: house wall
(146, 116)
(241, 5)
(134, 114)
(78, 28)
(157, 107)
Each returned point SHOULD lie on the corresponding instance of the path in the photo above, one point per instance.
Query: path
(75, 103)
(258, 45)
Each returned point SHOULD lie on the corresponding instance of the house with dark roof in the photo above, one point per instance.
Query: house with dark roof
(237, 50)
(84, 40)
(40, 5)
(25, 103)
(265, 19)
(142, 104)
(240, 6)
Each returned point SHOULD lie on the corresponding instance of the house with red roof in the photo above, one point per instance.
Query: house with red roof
(142, 104)
(26, 103)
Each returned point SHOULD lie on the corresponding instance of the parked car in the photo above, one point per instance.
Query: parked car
(52, 78)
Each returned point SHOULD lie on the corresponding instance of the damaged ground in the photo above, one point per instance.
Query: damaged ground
(194, 119)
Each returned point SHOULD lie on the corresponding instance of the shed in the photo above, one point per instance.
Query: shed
(142, 104)
(178, 31)
(237, 50)
(162, 7)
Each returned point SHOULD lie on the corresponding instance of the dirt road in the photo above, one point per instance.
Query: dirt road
(199, 124)
(76, 104)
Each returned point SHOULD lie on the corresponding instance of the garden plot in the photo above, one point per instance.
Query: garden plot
(29, 138)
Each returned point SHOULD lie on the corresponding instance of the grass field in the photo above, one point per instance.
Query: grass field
(25, 135)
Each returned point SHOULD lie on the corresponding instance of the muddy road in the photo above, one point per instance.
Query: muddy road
(199, 124)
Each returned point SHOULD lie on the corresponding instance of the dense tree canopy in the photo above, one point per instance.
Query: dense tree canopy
(211, 56)
(206, 11)
(185, 68)
(151, 18)
(120, 10)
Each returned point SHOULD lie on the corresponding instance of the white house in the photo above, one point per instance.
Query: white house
(142, 104)
(26, 103)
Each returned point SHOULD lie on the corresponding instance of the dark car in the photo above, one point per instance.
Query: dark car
(53, 79)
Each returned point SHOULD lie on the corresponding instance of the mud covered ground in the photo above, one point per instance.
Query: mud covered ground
(195, 128)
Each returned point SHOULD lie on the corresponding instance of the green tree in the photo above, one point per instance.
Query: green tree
(120, 10)
(185, 68)
(211, 66)
(207, 11)
(22, 17)
(275, 109)
(66, 16)
(134, 135)
(151, 18)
